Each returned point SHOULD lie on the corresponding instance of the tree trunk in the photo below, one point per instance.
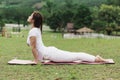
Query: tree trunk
(109, 32)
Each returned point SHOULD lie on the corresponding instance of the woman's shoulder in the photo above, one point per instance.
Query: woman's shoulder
(34, 31)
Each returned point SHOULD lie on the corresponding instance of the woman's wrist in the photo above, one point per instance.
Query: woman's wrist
(36, 61)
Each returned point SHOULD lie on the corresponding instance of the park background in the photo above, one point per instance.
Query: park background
(103, 16)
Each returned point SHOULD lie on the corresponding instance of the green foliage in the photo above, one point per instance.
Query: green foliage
(70, 11)
(19, 3)
(82, 16)
(113, 2)
(56, 18)
(107, 13)
(98, 25)
(53, 21)
(57, 13)
(110, 14)
(81, 2)
(17, 11)
(16, 14)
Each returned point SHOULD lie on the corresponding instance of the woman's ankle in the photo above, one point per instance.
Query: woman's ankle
(99, 59)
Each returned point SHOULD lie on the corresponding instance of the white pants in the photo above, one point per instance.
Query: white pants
(58, 55)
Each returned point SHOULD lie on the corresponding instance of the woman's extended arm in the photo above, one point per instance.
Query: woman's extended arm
(34, 50)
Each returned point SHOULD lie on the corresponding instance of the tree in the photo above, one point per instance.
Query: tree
(67, 15)
(113, 2)
(8, 14)
(82, 17)
(111, 15)
(21, 15)
(17, 11)
(58, 18)
(98, 25)
(111, 27)
(53, 21)
(16, 14)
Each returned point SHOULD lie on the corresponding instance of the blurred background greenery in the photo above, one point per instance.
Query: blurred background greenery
(100, 15)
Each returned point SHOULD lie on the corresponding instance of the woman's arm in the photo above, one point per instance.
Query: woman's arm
(34, 50)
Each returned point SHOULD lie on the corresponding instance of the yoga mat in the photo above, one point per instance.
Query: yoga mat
(28, 62)
(18, 61)
(109, 61)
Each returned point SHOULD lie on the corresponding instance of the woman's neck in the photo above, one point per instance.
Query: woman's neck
(33, 26)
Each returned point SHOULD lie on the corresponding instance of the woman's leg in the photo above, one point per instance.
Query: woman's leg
(85, 57)
(57, 55)
(90, 58)
(73, 56)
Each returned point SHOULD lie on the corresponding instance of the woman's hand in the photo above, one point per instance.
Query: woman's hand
(35, 62)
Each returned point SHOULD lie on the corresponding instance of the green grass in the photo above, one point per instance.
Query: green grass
(16, 47)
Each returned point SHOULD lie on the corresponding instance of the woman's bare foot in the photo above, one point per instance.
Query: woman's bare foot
(100, 59)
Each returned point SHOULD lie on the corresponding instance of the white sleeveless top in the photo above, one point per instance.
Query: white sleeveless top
(39, 44)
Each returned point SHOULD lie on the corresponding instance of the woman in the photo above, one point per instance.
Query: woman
(41, 52)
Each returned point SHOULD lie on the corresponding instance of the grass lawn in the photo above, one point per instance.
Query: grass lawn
(16, 47)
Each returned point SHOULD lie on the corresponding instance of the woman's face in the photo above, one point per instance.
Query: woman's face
(30, 20)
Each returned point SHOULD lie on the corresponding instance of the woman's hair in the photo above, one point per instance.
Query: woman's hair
(37, 17)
